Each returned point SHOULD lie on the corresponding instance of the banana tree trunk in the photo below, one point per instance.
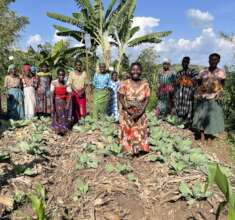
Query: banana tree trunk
(120, 56)
(107, 57)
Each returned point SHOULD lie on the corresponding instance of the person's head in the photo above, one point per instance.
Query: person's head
(61, 74)
(26, 69)
(166, 64)
(185, 62)
(33, 70)
(12, 69)
(114, 76)
(214, 60)
(78, 65)
(136, 70)
(45, 68)
(102, 67)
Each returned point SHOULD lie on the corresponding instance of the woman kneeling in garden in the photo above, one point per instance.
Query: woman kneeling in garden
(208, 116)
(61, 104)
(134, 95)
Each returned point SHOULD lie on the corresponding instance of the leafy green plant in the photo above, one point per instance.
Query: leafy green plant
(216, 175)
(196, 193)
(19, 197)
(21, 169)
(178, 166)
(82, 188)
(38, 201)
(85, 161)
(4, 156)
(19, 123)
(123, 169)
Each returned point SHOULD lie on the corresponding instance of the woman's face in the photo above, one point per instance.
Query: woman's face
(135, 72)
(45, 69)
(213, 61)
(13, 72)
(166, 66)
(61, 76)
(114, 77)
(102, 68)
(78, 66)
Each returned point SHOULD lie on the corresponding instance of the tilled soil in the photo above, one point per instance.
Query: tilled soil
(152, 195)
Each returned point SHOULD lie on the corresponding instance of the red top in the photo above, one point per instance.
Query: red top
(61, 92)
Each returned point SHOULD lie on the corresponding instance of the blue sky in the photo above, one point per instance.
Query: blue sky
(195, 24)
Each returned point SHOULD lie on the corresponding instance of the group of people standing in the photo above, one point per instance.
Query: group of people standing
(193, 97)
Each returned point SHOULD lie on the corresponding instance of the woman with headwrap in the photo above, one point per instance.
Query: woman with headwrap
(15, 97)
(166, 79)
(29, 84)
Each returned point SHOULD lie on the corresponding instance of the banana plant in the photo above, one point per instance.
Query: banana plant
(94, 20)
(125, 35)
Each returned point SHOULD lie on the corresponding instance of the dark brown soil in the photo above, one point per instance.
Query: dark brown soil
(153, 195)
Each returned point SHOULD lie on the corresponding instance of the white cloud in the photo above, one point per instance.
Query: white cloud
(57, 38)
(146, 24)
(198, 48)
(34, 40)
(200, 18)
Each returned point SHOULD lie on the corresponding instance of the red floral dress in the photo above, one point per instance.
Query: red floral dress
(133, 133)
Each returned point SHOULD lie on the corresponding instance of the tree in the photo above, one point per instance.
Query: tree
(125, 36)
(94, 20)
(148, 58)
(10, 25)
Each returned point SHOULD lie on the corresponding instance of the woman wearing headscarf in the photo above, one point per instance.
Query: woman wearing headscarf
(29, 85)
(208, 117)
(134, 95)
(43, 91)
(15, 97)
(166, 79)
(101, 83)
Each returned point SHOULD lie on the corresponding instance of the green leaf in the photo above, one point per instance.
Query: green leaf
(185, 191)
(109, 168)
(38, 206)
(178, 166)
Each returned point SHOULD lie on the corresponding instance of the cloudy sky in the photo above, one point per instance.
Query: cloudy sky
(196, 26)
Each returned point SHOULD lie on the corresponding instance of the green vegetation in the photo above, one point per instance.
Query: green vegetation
(217, 176)
(38, 200)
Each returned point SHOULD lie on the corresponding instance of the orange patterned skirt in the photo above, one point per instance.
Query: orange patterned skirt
(133, 135)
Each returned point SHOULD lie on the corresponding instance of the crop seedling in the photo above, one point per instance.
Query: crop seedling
(86, 162)
(38, 201)
(197, 192)
(216, 175)
(123, 169)
(82, 188)
(19, 198)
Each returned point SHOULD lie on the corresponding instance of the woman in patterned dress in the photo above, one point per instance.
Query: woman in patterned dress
(208, 117)
(165, 90)
(61, 104)
(15, 96)
(184, 91)
(100, 83)
(113, 102)
(133, 96)
(43, 91)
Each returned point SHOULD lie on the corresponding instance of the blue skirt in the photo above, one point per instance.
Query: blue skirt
(15, 104)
